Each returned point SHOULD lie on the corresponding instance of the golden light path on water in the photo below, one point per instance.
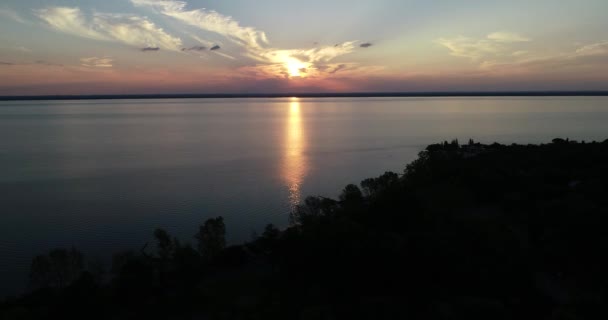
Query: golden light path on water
(295, 164)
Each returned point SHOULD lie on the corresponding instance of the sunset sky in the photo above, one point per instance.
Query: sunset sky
(246, 46)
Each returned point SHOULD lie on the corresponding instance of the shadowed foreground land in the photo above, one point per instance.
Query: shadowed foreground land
(466, 232)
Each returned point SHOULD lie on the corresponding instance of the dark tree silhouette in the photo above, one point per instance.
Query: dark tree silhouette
(57, 269)
(166, 245)
(351, 193)
(211, 238)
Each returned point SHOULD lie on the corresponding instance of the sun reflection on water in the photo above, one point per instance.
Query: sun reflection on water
(295, 163)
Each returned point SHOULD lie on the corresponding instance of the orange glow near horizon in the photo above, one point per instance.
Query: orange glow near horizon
(295, 164)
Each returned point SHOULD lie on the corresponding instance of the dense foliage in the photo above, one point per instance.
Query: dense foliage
(466, 232)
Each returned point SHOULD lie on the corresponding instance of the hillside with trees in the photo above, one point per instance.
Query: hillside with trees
(469, 231)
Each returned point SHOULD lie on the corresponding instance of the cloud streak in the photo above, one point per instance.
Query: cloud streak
(499, 53)
(494, 44)
(127, 29)
(600, 48)
(70, 21)
(95, 62)
(135, 31)
(209, 20)
(507, 37)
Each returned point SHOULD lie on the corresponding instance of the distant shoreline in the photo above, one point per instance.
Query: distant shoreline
(312, 95)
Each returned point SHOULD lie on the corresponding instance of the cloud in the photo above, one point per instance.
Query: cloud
(502, 52)
(255, 43)
(600, 48)
(470, 48)
(289, 63)
(366, 45)
(136, 31)
(338, 68)
(70, 21)
(494, 44)
(11, 14)
(221, 54)
(201, 41)
(313, 74)
(507, 37)
(95, 62)
(312, 56)
(128, 29)
(47, 63)
(595, 54)
(208, 20)
(195, 48)
(520, 53)
(149, 49)
(589, 57)
(22, 49)
(29, 63)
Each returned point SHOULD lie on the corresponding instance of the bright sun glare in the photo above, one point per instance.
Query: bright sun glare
(295, 67)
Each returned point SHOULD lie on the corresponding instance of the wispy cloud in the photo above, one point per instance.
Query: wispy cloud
(22, 49)
(2, 63)
(593, 56)
(136, 31)
(128, 29)
(600, 48)
(221, 54)
(95, 62)
(507, 37)
(71, 21)
(338, 68)
(11, 14)
(469, 48)
(200, 40)
(209, 20)
(502, 52)
(494, 44)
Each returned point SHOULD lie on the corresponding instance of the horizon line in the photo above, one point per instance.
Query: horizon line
(420, 94)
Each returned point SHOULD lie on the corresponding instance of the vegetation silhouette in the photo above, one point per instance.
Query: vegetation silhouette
(468, 231)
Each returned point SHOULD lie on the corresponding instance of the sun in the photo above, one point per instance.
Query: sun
(296, 68)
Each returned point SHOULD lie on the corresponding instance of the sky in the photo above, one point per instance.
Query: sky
(55, 47)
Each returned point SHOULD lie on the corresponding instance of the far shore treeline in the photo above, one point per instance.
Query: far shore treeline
(428, 94)
(466, 231)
